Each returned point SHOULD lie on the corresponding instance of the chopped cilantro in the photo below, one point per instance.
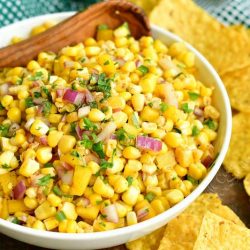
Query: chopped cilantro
(102, 224)
(149, 196)
(4, 130)
(104, 85)
(37, 94)
(98, 148)
(75, 153)
(176, 130)
(103, 27)
(93, 104)
(185, 108)
(16, 221)
(195, 131)
(60, 216)
(130, 180)
(193, 96)
(48, 165)
(86, 142)
(1, 107)
(44, 181)
(46, 107)
(29, 102)
(45, 91)
(73, 86)
(19, 81)
(150, 104)
(5, 166)
(106, 63)
(143, 69)
(98, 202)
(105, 164)
(192, 180)
(179, 74)
(210, 124)
(123, 137)
(163, 106)
(58, 192)
(38, 76)
(89, 125)
(103, 216)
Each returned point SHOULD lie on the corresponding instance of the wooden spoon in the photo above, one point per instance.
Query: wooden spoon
(76, 29)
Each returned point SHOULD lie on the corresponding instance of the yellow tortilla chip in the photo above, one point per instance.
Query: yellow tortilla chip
(246, 183)
(147, 5)
(181, 233)
(226, 48)
(148, 242)
(238, 87)
(237, 160)
(218, 233)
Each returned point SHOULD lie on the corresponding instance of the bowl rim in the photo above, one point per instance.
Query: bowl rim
(168, 213)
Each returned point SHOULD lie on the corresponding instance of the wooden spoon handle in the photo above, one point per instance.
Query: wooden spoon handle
(76, 29)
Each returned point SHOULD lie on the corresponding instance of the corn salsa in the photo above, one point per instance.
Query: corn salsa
(105, 134)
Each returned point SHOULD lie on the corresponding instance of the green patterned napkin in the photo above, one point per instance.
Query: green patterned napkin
(227, 11)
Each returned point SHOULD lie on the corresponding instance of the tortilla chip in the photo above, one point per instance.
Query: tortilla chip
(246, 183)
(181, 233)
(238, 85)
(147, 5)
(218, 233)
(237, 160)
(148, 242)
(226, 48)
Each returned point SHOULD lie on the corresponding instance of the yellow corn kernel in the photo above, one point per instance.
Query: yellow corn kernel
(149, 114)
(129, 66)
(102, 188)
(131, 130)
(151, 180)
(92, 50)
(44, 154)
(131, 218)
(120, 41)
(147, 158)
(54, 200)
(202, 138)
(95, 199)
(16, 39)
(14, 114)
(31, 192)
(131, 153)
(149, 127)
(96, 115)
(89, 213)
(72, 117)
(120, 118)
(173, 139)
(158, 206)
(149, 168)
(158, 133)
(116, 102)
(44, 211)
(148, 83)
(155, 190)
(174, 196)
(138, 101)
(126, 96)
(54, 138)
(62, 227)
(54, 118)
(131, 195)
(51, 223)
(7, 144)
(181, 171)
(19, 139)
(189, 59)
(128, 110)
(22, 94)
(85, 226)
(66, 143)
(160, 47)
(110, 147)
(69, 210)
(177, 48)
(71, 226)
(29, 167)
(184, 156)
(118, 166)
(30, 202)
(6, 100)
(39, 128)
(210, 111)
(105, 35)
(197, 170)
(33, 65)
(119, 183)
(81, 173)
(39, 225)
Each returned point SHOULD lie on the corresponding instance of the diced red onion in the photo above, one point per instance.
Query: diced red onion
(64, 118)
(19, 190)
(145, 142)
(67, 177)
(88, 96)
(198, 112)
(85, 202)
(40, 110)
(116, 110)
(107, 131)
(13, 128)
(73, 96)
(138, 63)
(35, 84)
(83, 111)
(79, 132)
(39, 100)
(207, 161)
(169, 95)
(29, 123)
(4, 89)
(91, 157)
(166, 63)
(142, 213)
(120, 61)
(111, 213)
(59, 92)
(113, 137)
(30, 138)
(66, 166)
(43, 140)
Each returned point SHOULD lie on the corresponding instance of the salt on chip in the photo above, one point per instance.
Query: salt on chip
(181, 232)
(148, 242)
(238, 87)
(237, 160)
(224, 47)
(218, 233)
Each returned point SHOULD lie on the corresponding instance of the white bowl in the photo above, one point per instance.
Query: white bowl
(119, 236)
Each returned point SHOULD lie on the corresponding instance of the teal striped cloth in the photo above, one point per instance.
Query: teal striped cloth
(226, 11)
